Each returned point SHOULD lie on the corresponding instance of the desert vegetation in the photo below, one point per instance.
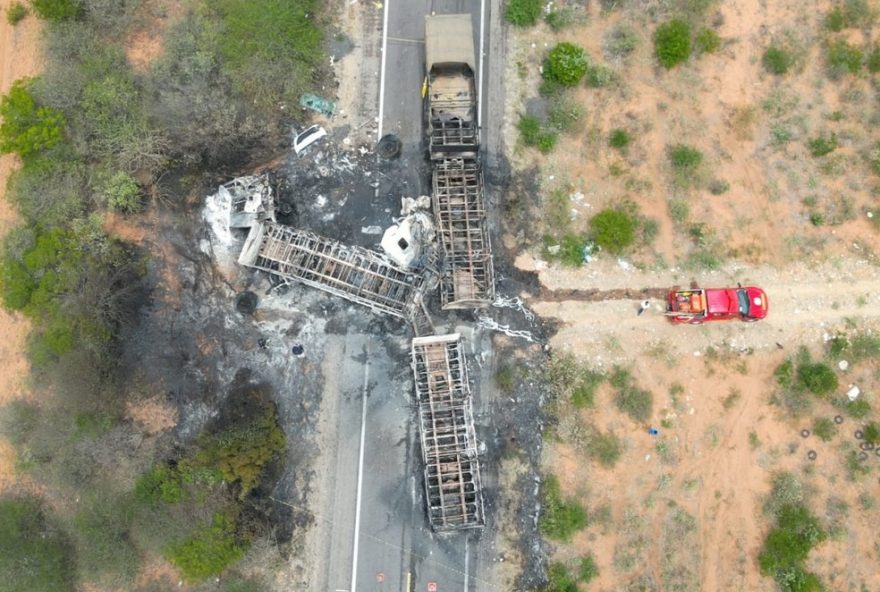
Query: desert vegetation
(99, 133)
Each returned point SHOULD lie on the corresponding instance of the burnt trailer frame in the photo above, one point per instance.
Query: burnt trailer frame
(354, 273)
(446, 428)
(468, 273)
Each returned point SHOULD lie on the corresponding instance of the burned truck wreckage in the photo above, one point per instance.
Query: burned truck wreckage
(439, 241)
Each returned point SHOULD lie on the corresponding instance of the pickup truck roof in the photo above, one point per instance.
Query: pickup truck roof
(449, 39)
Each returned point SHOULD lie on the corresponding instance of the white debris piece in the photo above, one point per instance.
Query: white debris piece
(843, 364)
(406, 240)
(248, 199)
(492, 325)
(515, 303)
(372, 229)
(853, 393)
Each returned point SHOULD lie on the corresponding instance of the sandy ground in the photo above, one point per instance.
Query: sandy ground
(682, 511)
(19, 57)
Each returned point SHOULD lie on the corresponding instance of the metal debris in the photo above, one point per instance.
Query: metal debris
(250, 200)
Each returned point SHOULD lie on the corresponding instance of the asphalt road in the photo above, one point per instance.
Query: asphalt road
(377, 536)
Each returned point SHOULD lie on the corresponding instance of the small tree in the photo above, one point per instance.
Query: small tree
(613, 230)
(818, 378)
(567, 64)
(27, 128)
(672, 43)
(777, 60)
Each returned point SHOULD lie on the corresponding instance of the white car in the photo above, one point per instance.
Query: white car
(307, 137)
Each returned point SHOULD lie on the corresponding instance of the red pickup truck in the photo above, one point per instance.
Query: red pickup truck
(697, 305)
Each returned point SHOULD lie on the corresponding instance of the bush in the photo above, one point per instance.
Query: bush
(559, 580)
(871, 432)
(587, 570)
(635, 402)
(613, 230)
(584, 390)
(872, 61)
(835, 20)
(672, 43)
(818, 378)
(560, 18)
(857, 409)
(604, 448)
(57, 10)
(523, 13)
(208, 551)
(619, 139)
(708, 41)
(777, 60)
(621, 41)
(529, 129)
(843, 57)
(824, 429)
(599, 75)
(567, 64)
(684, 158)
(16, 13)
(161, 484)
(33, 554)
(787, 546)
(559, 519)
(27, 128)
(123, 193)
(821, 146)
(547, 141)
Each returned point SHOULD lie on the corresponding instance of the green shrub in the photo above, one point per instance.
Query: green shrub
(719, 187)
(27, 128)
(822, 146)
(871, 432)
(104, 549)
(567, 64)
(824, 428)
(34, 556)
(843, 57)
(159, 484)
(857, 409)
(818, 378)
(679, 210)
(559, 579)
(529, 129)
(864, 346)
(547, 141)
(621, 41)
(272, 51)
(786, 548)
(872, 61)
(588, 570)
(684, 158)
(672, 43)
(505, 379)
(583, 392)
(604, 448)
(560, 18)
(707, 41)
(613, 230)
(16, 13)
(57, 10)
(571, 249)
(629, 398)
(523, 13)
(786, 490)
(208, 551)
(777, 60)
(619, 139)
(599, 75)
(123, 193)
(835, 20)
(559, 519)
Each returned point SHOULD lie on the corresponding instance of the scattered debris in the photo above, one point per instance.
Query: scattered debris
(515, 303)
(320, 105)
(409, 241)
(853, 393)
(249, 200)
(492, 325)
(307, 137)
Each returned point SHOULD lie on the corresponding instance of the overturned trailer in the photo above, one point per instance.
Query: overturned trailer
(468, 276)
(354, 273)
(446, 428)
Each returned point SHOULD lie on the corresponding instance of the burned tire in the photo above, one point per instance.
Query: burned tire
(859, 434)
(838, 419)
(246, 302)
(866, 446)
(389, 146)
(863, 456)
(805, 433)
(812, 455)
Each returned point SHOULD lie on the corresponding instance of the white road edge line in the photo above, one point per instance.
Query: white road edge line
(382, 73)
(480, 75)
(467, 575)
(357, 512)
